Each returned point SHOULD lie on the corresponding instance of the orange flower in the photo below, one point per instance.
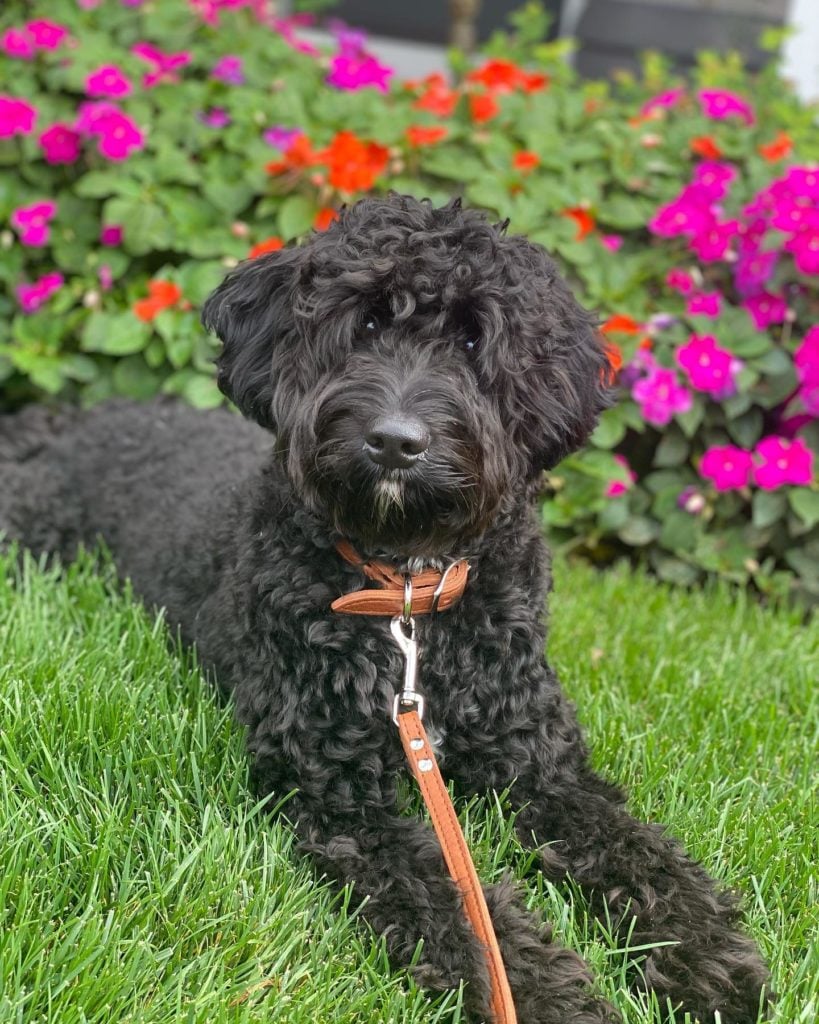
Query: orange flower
(419, 135)
(439, 98)
(705, 146)
(583, 219)
(353, 164)
(525, 161)
(299, 154)
(161, 295)
(534, 82)
(781, 147)
(621, 324)
(483, 108)
(324, 218)
(614, 354)
(268, 245)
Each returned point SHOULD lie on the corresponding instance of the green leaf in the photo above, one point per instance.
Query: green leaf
(805, 504)
(114, 334)
(639, 531)
(672, 450)
(768, 507)
(610, 430)
(746, 429)
(295, 216)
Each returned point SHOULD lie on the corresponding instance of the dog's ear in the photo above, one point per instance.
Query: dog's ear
(252, 313)
(555, 356)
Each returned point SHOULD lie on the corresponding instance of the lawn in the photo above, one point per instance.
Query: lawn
(141, 882)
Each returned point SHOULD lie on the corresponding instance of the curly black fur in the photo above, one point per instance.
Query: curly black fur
(397, 310)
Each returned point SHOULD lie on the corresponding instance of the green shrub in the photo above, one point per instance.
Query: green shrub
(684, 212)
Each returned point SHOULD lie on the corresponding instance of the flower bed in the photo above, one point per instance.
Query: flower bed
(145, 147)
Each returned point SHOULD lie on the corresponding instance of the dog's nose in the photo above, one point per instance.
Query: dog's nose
(396, 441)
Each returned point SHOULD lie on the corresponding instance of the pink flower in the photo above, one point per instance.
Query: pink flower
(806, 360)
(357, 72)
(106, 278)
(46, 35)
(727, 467)
(781, 461)
(754, 270)
(765, 309)
(662, 101)
(660, 396)
(17, 43)
(31, 222)
(792, 213)
(616, 488)
(689, 214)
(60, 144)
(714, 178)
(720, 104)
(111, 235)
(709, 368)
(714, 241)
(165, 65)
(109, 80)
(803, 181)
(680, 280)
(117, 135)
(612, 242)
(705, 304)
(280, 137)
(805, 249)
(16, 117)
(229, 70)
(32, 296)
(216, 117)
(691, 501)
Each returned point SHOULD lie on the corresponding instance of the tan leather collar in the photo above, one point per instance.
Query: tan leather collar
(431, 590)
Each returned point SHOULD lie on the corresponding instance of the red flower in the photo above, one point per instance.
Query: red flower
(614, 354)
(439, 98)
(584, 220)
(272, 244)
(483, 108)
(781, 147)
(299, 154)
(353, 164)
(419, 135)
(324, 218)
(505, 76)
(524, 161)
(162, 294)
(705, 146)
(621, 324)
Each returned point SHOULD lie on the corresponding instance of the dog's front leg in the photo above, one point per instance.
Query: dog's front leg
(641, 880)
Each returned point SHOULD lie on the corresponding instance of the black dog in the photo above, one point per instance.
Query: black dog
(418, 369)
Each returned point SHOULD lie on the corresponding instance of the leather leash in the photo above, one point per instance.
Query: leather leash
(404, 596)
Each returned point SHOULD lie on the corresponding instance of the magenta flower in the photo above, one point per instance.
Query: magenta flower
(781, 461)
(349, 40)
(720, 104)
(705, 304)
(229, 70)
(92, 115)
(105, 277)
(60, 144)
(17, 43)
(280, 137)
(616, 488)
(358, 72)
(16, 117)
(765, 309)
(688, 214)
(792, 213)
(612, 242)
(46, 35)
(109, 80)
(806, 360)
(803, 181)
(216, 117)
(32, 296)
(690, 500)
(680, 280)
(117, 135)
(663, 101)
(111, 235)
(709, 368)
(165, 65)
(660, 396)
(31, 222)
(754, 270)
(714, 178)
(805, 249)
(727, 467)
(714, 242)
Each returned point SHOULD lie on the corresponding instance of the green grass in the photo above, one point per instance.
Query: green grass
(139, 880)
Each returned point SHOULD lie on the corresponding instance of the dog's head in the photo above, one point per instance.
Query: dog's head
(417, 365)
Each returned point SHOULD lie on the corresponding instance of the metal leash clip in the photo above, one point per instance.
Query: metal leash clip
(403, 630)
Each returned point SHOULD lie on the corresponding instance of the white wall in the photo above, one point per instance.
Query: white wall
(801, 53)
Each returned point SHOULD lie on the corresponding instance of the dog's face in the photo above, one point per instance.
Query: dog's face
(416, 365)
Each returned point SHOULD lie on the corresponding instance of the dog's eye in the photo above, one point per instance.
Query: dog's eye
(371, 323)
(471, 345)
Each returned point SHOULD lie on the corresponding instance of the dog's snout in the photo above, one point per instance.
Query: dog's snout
(396, 442)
